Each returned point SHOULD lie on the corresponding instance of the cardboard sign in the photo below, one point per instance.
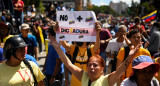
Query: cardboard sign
(76, 26)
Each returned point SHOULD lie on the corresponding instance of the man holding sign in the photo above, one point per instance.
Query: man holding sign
(78, 26)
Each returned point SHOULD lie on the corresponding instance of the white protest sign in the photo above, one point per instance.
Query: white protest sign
(76, 26)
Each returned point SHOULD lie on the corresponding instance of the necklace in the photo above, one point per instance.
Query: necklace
(82, 56)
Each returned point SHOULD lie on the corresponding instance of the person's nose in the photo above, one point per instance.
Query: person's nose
(91, 66)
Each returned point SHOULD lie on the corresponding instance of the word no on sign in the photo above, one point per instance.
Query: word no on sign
(76, 26)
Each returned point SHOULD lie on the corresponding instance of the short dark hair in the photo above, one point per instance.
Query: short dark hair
(51, 31)
(137, 19)
(132, 32)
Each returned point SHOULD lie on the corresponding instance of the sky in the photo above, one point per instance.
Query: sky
(106, 2)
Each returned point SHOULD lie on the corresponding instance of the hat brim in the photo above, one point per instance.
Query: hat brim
(146, 64)
(26, 28)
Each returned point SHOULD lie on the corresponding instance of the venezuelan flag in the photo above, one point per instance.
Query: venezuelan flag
(71, 22)
(150, 16)
(89, 19)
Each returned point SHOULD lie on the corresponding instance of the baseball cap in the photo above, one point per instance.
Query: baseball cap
(25, 26)
(143, 61)
(3, 24)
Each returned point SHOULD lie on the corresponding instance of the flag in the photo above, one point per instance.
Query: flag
(150, 16)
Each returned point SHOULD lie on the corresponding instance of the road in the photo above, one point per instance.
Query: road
(41, 57)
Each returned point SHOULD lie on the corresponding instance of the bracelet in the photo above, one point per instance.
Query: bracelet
(127, 63)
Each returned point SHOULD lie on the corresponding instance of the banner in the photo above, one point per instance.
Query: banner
(76, 26)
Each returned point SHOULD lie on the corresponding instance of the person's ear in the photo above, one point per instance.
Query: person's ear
(102, 70)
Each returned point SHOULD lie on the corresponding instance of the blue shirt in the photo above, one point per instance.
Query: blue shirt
(1, 54)
(51, 60)
(31, 43)
(30, 58)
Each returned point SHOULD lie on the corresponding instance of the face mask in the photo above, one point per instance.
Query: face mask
(79, 43)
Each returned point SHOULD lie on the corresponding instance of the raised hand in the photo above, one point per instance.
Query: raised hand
(134, 49)
(53, 42)
(98, 27)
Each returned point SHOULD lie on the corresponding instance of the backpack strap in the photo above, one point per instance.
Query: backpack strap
(31, 69)
(75, 54)
(126, 51)
(154, 82)
(89, 53)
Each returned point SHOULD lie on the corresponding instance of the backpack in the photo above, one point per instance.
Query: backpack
(114, 62)
(76, 52)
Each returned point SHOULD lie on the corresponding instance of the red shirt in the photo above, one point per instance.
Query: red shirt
(104, 35)
(20, 5)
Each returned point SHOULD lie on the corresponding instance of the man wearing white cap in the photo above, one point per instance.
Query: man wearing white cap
(29, 39)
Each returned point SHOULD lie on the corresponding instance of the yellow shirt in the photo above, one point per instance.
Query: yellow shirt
(4, 39)
(102, 81)
(19, 75)
(81, 52)
(121, 54)
(41, 34)
(157, 77)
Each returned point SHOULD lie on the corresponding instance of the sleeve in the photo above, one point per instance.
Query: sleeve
(126, 82)
(120, 55)
(92, 51)
(108, 48)
(143, 27)
(22, 3)
(152, 37)
(85, 78)
(34, 41)
(148, 53)
(109, 34)
(39, 75)
(1, 54)
(63, 49)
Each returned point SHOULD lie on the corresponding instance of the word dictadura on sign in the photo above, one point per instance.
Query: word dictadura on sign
(74, 31)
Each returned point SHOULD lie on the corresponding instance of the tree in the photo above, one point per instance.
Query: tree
(38, 4)
(103, 9)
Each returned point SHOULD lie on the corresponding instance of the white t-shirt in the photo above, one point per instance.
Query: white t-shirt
(128, 82)
(113, 45)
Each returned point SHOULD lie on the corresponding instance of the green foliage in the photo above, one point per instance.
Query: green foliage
(30, 2)
(38, 5)
(148, 8)
(41, 8)
(103, 9)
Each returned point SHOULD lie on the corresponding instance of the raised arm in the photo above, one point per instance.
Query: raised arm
(63, 43)
(74, 69)
(114, 76)
(97, 43)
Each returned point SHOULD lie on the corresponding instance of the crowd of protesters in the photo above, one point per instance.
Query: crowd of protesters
(126, 51)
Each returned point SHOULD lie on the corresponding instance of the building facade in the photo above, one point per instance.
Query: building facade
(118, 7)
